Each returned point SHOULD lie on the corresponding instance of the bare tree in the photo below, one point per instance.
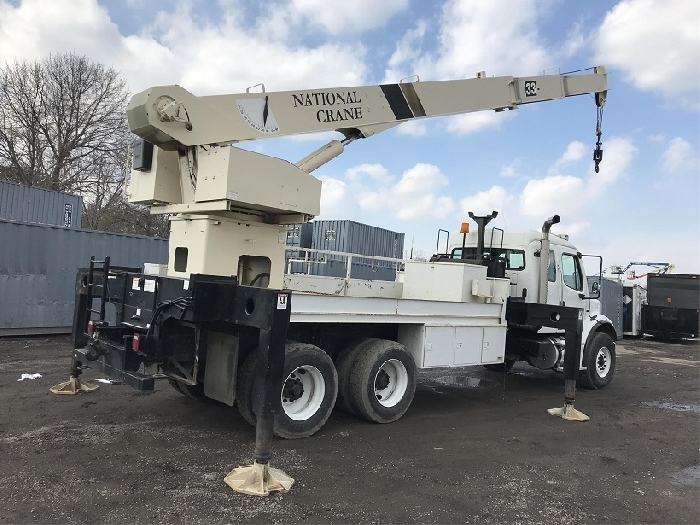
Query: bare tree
(57, 117)
(63, 127)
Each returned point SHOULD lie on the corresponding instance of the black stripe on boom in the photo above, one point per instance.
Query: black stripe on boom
(413, 101)
(397, 102)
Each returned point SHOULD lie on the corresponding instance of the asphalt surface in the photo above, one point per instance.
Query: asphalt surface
(475, 447)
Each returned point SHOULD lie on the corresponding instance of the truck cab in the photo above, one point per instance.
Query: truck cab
(559, 280)
(519, 253)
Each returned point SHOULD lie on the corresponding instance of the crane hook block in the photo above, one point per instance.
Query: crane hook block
(597, 156)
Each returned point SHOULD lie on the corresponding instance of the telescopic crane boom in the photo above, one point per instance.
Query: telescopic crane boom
(170, 117)
(227, 204)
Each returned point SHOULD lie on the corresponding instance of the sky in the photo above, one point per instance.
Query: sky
(643, 205)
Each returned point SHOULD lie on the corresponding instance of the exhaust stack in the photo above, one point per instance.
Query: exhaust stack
(544, 258)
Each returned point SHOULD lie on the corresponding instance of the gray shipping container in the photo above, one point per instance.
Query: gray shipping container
(38, 265)
(350, 237)
(611, 292)
(38, 205)
(298, 235)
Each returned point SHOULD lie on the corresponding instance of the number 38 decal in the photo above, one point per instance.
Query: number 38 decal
(530, 88)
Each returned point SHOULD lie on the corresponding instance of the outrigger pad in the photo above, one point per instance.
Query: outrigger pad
(258, 479)
(73, 386)
(569, 413)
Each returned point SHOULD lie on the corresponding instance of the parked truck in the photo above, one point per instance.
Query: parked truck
(672, 310)
(223, 321)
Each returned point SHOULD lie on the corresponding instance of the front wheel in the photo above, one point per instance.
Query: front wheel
(599, 359)
(382, 381)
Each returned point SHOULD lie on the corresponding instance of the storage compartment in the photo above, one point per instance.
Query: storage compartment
(441, 281)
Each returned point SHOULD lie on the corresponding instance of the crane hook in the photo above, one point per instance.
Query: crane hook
(598, 151)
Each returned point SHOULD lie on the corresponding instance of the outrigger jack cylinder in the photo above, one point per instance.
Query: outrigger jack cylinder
(259, 479)
(571, 362)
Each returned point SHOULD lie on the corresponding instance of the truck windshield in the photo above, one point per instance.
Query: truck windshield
(515, 259)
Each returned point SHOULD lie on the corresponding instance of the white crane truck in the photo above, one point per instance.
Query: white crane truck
(223, 321)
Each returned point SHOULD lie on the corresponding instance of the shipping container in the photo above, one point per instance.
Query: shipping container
(38, 265)
(349, 237)
(38, 205)
(355, 237)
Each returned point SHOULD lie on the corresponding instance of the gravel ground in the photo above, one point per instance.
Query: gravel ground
(475, 447)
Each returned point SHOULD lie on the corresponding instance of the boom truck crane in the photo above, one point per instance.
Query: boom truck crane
(220, 321)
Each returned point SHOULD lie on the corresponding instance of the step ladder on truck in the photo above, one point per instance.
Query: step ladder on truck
(222, 320)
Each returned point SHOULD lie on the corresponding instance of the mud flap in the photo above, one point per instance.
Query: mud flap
(221, 367)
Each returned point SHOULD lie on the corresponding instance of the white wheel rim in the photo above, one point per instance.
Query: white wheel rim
(603, 362)
(304, 389)
(390, 383)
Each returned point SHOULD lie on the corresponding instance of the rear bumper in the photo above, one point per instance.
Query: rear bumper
(103, 364)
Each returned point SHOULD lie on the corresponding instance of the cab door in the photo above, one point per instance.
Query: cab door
(573, 286)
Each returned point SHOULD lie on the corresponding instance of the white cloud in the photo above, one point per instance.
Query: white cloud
(427, 206)
(656, 138)
(617, 158)
(222, 57)
(484, 202)
(415, 128)
(656, 44)
(549, 195)
(679, 156)
(573, 153)
(510, 170)
(572, 229)
(337, 201)
(472, 122)
(345, 17)
(375, 171)
(475, 36)
(414, 196)
(408, 49)
(420, 179)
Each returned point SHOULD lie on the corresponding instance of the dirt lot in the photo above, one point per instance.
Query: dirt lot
(473, 448)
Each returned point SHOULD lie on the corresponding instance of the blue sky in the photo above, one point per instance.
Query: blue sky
(527, 164)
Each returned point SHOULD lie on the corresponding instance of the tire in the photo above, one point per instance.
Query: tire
(244, 387)
(382, 381)
(600, 360)
(308, 394)
(501, 368)
(309, 391)
(343, 365)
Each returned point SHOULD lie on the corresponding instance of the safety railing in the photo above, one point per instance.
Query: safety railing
(314, 258)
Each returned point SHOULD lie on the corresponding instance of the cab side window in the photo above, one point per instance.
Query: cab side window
(571, 272)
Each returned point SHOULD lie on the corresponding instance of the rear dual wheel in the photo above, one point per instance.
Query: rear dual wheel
(379, 381)
(308, 393)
